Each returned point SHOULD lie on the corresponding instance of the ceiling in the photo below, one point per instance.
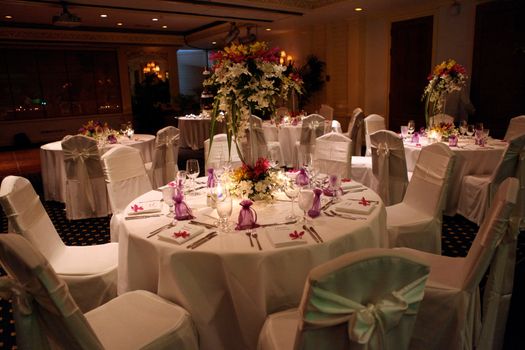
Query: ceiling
(199, 22)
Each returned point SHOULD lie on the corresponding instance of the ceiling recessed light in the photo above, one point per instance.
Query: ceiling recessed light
(213, 42)
(268, 29)
(120, 23)
(164, 27)
(8, 16)
(358, 9)
(104, 16)
(154, 19)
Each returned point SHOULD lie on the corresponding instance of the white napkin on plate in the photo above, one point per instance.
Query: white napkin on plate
(355, 207)
(348, 185)
(286, 235)
(138, 208)
(180, 233)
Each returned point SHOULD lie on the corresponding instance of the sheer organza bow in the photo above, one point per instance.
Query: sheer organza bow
(182, 211)
(302, 178)
(247, 216)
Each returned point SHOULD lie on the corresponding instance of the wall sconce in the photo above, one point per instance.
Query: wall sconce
(285, 58)
(152, 68)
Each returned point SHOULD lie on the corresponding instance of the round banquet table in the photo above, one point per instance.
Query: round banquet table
(228, 286)
(193, 131)
(470, 160)
(54, 173)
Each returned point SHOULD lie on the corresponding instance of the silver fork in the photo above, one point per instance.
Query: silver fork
(249, 234)
(162, 228)
(254, 235)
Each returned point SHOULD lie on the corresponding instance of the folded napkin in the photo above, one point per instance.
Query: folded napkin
(356, 207)
(180, 233)
(138, 208)
(350, 185)
(286, 235)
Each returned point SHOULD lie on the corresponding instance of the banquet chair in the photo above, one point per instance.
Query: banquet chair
(219, 153)
(312, 127)
(373, 123)
(450, 316)
(90, 271)
(442, 118)
(126, 179)
(333, 154)
(516, 127)
(389, 166)
(256, 146)
(47, 317)
(326, 111)
(416, 221)
(366, 299)
(356, 130)
(164, 166)
(86, 195)
(477, 190)
(336, 127)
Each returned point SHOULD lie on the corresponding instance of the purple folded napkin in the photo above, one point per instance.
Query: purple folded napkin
(182, 211)
(211, 178)
(247, 216)
(316, 206)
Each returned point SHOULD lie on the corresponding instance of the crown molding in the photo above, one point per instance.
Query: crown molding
(27, 34)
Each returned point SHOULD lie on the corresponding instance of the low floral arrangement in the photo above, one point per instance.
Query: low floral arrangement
(257, 183)
(99, 131)
(248, 79)
(444, 129)
(446, 77)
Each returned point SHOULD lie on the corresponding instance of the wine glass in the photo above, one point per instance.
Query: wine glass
(180, 179)
(306, 200)
(463, 127)
(192, 170)
(223, 205)
(167, 196)
(404, 132)
(411, 127)
(470, 130)
(335, 185)
(291, 190)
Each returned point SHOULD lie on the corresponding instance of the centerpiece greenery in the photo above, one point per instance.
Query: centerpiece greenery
(98, 130)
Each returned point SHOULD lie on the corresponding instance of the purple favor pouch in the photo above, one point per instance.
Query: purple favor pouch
(302, 178)
(182, 211)
(247, 216)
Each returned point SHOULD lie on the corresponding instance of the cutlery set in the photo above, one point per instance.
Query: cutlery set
(203, 224)
(315, 235)
(160, 229)
(251, 234)
(142, 216)
(203, 240)
(333, 213)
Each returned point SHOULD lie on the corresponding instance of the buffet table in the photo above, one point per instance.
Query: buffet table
(228, 285)
(54, 173)
(470, 160)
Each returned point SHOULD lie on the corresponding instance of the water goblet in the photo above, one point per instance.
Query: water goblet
(306, 200)
(180, 179)
(470, 130)
(404, 132)
(335, 185)
(192, 169)
(167, 196)
(223, 205)
(463, 127)
(291, 190)
(411, 127)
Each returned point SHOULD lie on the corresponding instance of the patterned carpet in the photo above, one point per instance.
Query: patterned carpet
(458, 234)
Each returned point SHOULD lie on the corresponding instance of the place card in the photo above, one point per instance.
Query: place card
(286, 235)
(146, 207)
(180, 233)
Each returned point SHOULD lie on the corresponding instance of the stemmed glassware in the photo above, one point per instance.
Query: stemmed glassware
(167, 196)
(463, 127)
(411, 127)
(306, 200)
(291, 190)
(192, 169)
(180, 179)
(335, 185)
(404, 132)
(470, 130)
(223, 205)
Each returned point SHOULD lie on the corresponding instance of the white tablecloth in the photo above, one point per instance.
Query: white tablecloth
(470, 160)
(193, 132)
(54, 173)
(228, 286)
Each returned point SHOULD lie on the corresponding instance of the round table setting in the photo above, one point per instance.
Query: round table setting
(230, 281)
(471, 159)
(53, 169)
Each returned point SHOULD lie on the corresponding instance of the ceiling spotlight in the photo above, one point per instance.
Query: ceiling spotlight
(8, 17)
(120, 23)
(104, 16)
(154, 19)
(164, 26)
(358, 9)
(268, 29)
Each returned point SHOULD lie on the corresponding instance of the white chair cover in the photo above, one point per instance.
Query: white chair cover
(389, 166)
(449, 316)
(275, 152)
(255, 145)
(416, 221)
(516, 127)
(89, 271)
(126, 179)
(313, 126)
(219, 152)
(327, 112)
(47, 316)
(373, 123)
(332, 154)
(442, 118)
(86, 195)
(477, 190)
(164, 166)
(344, 308)
(336, 127)
(356, 130)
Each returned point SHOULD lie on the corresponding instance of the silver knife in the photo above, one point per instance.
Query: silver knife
(311, 233)
(316, 233)
(203, 240)
(202, 224)
(279, 223)
(142, 216)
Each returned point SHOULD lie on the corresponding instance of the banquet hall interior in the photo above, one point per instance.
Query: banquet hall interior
(138, 66)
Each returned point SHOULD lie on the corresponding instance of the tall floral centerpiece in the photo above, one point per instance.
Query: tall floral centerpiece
(257, 183)
(247, 79)
(98, 130)
(446, 77)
